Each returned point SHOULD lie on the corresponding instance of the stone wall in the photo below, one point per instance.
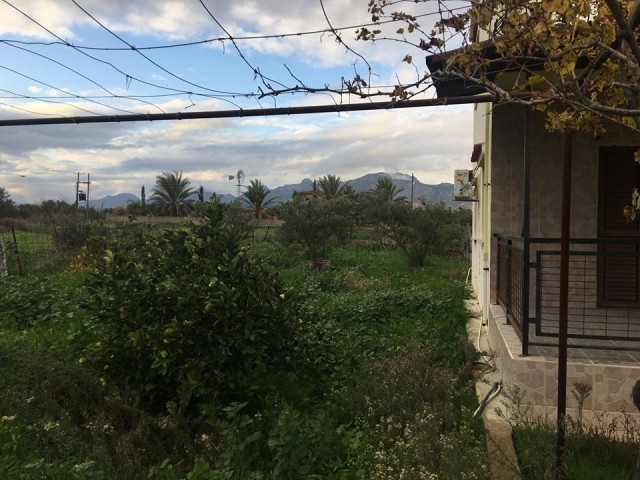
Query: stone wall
(611, 376)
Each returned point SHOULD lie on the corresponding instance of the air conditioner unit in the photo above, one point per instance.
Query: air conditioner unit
(463, 188)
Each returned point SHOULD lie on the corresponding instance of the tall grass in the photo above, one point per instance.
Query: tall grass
(378, 386)
(604, 447)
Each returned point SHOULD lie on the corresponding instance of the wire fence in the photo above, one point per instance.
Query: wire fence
(26, 249)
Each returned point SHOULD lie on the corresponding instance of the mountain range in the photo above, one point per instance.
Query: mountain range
(442, 192)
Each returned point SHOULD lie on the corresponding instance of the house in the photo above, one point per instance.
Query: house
(517, 173)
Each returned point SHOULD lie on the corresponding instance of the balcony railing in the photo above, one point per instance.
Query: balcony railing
(604, 291)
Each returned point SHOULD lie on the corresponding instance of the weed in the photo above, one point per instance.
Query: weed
(367, 374)
(593, 451)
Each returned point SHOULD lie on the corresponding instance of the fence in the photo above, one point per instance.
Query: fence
(603, 293)
(29, 249)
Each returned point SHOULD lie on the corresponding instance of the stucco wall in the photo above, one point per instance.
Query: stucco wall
(545, 150)
(546, 156)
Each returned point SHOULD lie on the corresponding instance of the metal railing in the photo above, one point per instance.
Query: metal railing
(599, 315)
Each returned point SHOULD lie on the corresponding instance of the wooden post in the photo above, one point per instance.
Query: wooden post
(4, 271)
(15, 246)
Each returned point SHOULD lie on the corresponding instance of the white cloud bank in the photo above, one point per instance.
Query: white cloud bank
(430, 142)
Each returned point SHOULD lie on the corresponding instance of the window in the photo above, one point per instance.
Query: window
(618, 265)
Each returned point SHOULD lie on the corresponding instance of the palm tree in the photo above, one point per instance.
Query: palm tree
(331, 186)
(386, 191)
(171, 193)
(255, 197)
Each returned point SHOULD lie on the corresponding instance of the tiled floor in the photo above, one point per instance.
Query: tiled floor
(587, 355)
(606, 351)
(610, 374)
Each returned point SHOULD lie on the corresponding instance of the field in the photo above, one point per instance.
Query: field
(375, 381)
(137, 359)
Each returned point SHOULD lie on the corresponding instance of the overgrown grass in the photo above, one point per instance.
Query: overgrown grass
(603, 447)
(588, 456)
(378, 385)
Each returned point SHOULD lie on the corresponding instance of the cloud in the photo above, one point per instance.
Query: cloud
(429, 142)
(172, 21)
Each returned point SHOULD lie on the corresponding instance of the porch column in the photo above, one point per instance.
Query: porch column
(565, 236)
(526, 233)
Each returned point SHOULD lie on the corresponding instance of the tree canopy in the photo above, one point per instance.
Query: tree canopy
(256, 197)
(7, 205)
(386, 191)
(577, 60)
(171, 193)
(331, 186)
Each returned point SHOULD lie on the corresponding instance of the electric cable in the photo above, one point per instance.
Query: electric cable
(65, 91)
(272, 36)
(133, 48)
(129, 78)
(222, 95)
(111, 94)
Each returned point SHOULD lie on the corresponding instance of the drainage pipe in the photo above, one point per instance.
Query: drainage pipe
(491, 394)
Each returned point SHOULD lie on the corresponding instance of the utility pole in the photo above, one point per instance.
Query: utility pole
(77, 187)
(88, 185)
(412, 182)
(80, 195)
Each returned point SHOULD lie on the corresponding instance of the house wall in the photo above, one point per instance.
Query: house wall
(481, 231)
(509, 139)
(537, 375)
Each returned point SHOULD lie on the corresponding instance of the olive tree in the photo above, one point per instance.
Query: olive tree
(316, 223)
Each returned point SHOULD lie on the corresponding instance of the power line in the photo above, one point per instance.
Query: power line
(272, 36)
(269, 83)
(111, 94)
(30, 111)
(128, 78)
(64, 91)
(256, 71)
(133, 48)
(48, 100)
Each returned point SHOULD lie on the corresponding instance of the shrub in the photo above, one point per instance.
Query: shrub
(235, 214)
(433, 229)
(285, 442)
(186, 315)
(57, 416)
(36, 300)
(316, 223)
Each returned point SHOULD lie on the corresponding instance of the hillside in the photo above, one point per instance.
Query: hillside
(442, 192)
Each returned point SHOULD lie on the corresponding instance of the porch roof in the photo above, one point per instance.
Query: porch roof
(448, 84)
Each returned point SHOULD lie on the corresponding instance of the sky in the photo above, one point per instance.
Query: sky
(66, 58)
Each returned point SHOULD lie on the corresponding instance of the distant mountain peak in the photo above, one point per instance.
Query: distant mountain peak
(399, 176)
(442, 192)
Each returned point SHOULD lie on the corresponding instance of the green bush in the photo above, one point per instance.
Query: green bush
(58, 416)
(316, 223)
(235, 214)
(284, 442)
(433, 229)
(37, 300)
(186, 315)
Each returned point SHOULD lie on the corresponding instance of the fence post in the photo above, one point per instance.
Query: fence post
(4, 271)
(15, 246)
